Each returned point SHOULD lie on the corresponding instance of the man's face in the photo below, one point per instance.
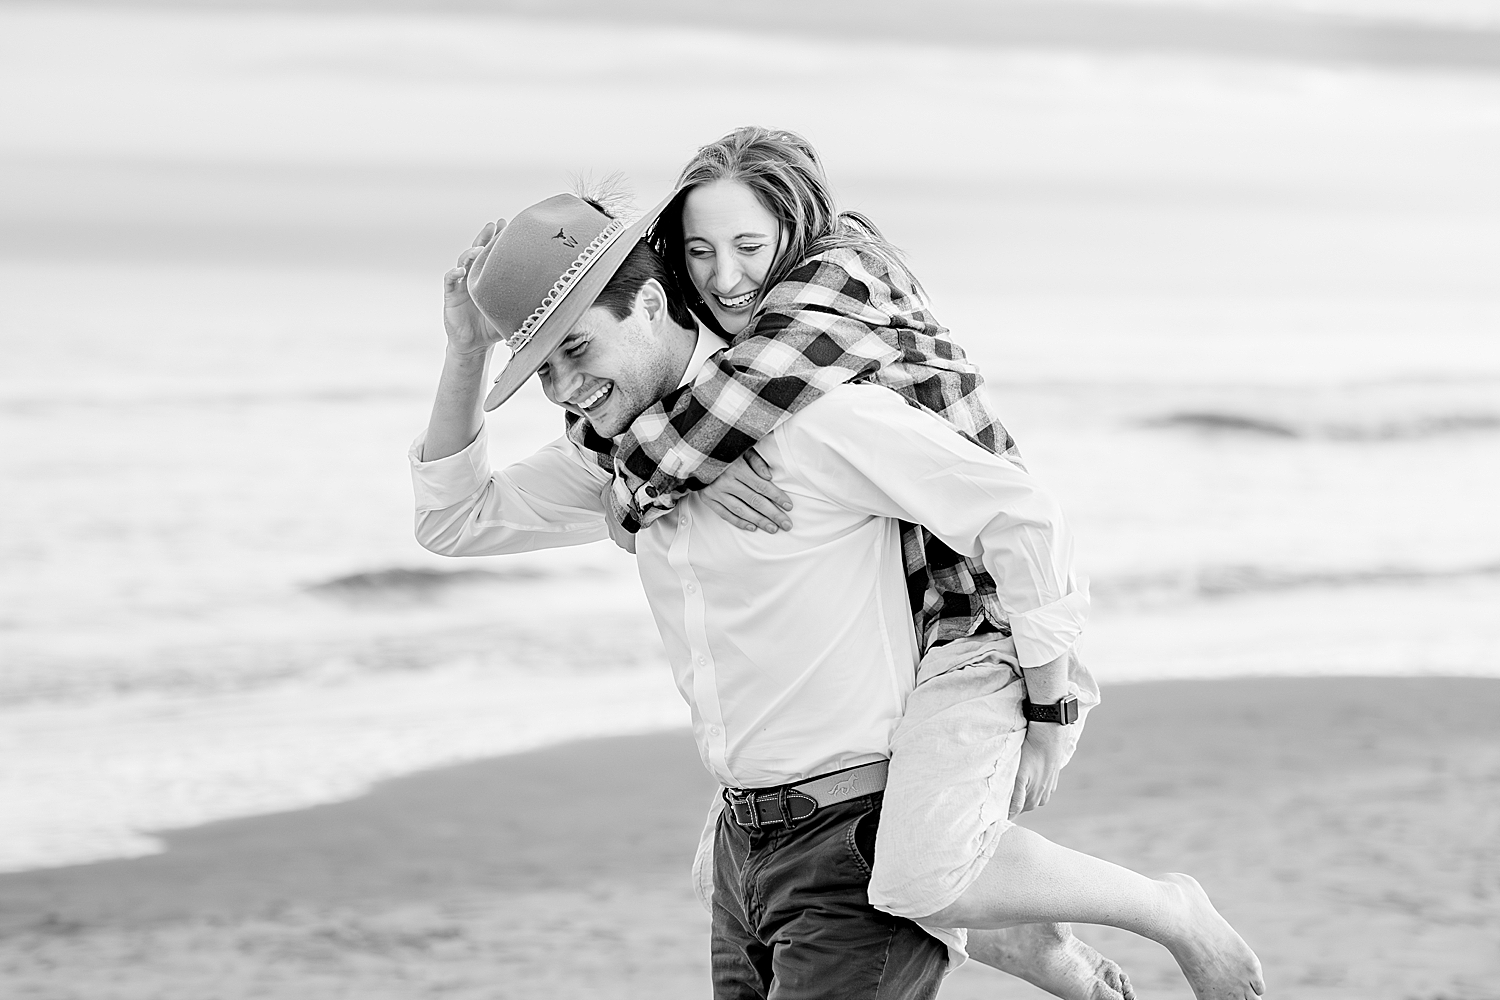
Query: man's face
(610, 370)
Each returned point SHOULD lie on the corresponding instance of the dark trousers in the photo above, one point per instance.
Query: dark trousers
(791, 919)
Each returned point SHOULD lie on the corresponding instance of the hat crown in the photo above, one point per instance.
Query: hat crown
(527, 260)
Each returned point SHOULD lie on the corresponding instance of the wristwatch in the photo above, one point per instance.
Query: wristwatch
(1064, 713)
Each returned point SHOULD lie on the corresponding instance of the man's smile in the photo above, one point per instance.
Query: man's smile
(596, 397)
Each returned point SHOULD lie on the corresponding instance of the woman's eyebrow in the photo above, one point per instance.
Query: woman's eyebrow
(736, 236)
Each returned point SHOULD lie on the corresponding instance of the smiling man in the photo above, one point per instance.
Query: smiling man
(599, 326)
(795, 650)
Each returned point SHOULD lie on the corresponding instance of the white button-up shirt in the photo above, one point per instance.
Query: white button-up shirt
(795, 650)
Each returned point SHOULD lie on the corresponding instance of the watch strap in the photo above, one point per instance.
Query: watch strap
(1063, 713)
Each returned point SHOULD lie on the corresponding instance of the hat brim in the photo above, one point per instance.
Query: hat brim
(575, 302)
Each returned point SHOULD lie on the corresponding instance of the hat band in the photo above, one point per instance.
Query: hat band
(565, 284)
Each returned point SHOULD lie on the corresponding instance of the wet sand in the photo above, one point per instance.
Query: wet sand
(1347, 827)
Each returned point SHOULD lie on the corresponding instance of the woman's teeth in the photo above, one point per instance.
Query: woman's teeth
(594, 398)
(736, 302)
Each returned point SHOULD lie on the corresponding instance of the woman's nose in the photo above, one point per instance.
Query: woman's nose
(726, 274)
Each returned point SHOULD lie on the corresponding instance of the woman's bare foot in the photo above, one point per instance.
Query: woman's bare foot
(1219, 965)
(1049, 957)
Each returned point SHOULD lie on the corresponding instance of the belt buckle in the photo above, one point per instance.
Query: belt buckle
(751, 799)
(743, 796)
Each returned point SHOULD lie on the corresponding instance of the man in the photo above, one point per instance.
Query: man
(795, 650)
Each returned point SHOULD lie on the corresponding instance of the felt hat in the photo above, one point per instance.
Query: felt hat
(542, 272)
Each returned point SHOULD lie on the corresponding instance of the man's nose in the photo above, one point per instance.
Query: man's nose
(560, 383)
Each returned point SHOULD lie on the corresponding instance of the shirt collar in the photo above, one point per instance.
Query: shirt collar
(709, 344)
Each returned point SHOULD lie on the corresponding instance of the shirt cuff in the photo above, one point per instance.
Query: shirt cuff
(447, 481)
(1045, 633)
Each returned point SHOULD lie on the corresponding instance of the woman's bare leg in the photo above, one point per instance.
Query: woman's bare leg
(1049, 957)
(1032, 880)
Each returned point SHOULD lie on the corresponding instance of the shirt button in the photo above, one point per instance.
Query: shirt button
(714, 730)
(702, 660)
(692, 589)
(686, 520)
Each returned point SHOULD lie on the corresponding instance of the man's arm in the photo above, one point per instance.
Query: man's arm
(457, 409)
(873, 452)
(1048, 744)
(868, 449)
(552, 498)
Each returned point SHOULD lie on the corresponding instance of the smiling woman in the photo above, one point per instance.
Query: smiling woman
(730, 241)
(755, 205)
(810, 297)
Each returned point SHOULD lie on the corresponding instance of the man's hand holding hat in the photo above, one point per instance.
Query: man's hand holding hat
(456, 416)
(469, 332)
(525, 283)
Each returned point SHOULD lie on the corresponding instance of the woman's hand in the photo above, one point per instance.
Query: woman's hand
(744, 496)
(1043, 755)
(468, 330)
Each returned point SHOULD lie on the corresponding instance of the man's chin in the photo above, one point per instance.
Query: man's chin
(605, 425)
(615, 414)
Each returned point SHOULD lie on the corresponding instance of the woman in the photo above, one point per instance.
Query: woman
(809, 298)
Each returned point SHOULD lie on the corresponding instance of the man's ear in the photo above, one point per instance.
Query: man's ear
(653, 298)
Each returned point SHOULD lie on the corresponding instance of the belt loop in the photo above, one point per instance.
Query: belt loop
(754, 801)
(786, 807)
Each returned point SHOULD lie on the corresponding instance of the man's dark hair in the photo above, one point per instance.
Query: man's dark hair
(641, 264)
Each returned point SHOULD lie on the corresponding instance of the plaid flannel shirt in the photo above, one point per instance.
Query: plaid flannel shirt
(843, 316)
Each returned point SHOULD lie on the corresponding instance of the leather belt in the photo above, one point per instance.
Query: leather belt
(785, 805)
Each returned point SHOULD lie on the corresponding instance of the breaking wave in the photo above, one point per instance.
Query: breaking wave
(1229, 581)
(408, 583)
(1411, 428)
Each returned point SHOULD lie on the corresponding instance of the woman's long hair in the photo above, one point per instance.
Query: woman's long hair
(784, 172)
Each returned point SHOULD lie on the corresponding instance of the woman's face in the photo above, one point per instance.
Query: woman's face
(730, 241)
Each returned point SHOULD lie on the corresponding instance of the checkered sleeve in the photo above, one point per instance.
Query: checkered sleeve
(818, 328)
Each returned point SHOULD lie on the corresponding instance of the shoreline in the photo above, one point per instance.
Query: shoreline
(1344, 825)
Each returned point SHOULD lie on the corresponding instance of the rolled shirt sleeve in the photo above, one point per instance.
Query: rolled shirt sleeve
(1047, 632)
(867, 447)
(550, 499)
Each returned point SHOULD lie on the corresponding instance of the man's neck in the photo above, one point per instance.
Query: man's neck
(700, 344)
(684, 343)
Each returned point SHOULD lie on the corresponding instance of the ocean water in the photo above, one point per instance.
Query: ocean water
(1244, 319)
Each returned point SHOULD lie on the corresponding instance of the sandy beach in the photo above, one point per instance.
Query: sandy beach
(1229, 267)
(1346, 826)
